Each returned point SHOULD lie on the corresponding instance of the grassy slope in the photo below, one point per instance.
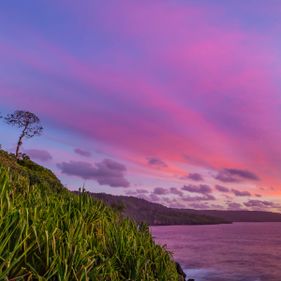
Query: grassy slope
(29, 171)
(48, 233)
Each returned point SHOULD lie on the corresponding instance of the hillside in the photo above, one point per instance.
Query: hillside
(156, 214)
(49, 233)
(27, 170)
(241, 216)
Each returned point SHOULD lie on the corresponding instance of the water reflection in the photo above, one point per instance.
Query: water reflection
(237, 252)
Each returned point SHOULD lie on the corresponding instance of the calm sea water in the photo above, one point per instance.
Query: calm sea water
(234, 252)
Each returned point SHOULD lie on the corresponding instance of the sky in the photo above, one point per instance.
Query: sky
(177, 102)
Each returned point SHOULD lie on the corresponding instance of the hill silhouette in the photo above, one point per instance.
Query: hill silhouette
(157, 214)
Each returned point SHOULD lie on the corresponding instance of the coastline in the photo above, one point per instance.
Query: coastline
(181, 273)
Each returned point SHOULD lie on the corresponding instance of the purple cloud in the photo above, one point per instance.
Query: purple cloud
(131, 193)
(217, 206)
(141, 191)
(206, 197)
(163, 191)
(202, 188)
(222, 188)
(240, 193)
(235, 175)
(193, 177)
(106, 172)
(154, 197)
(260, 204)
(176, 191)
(234, 206)
(160, 191)
(167, 200)
(176, 205)
(38, 154)
(82, 152)
(200, 205)
(157, 162)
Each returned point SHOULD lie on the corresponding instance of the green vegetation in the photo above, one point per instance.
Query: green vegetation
(52, 234)
(30, 171)
(29, 124)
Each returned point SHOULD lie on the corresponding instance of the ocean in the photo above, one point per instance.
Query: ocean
(230, 252)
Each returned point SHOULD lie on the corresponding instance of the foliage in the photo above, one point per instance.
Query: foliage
(48, 234)
(28, 122)
(32, 172)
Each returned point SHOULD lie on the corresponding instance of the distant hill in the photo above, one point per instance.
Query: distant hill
(157, 214)
(241, 216)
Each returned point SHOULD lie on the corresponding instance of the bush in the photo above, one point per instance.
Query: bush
(32, 172)
(51, 235)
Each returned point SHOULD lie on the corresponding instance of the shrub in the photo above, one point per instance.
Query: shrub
(51, 235)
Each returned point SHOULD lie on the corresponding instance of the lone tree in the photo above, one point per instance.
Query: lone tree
(28, 122)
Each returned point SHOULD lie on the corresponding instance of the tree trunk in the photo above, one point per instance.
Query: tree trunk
(20, 140)
(19, 145)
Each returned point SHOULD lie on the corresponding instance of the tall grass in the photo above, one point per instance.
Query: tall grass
(57, 235)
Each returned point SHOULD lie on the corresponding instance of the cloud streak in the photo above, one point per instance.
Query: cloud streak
(240, 193)
(82, 152)
(261, 204)
(235, 175)
(193, 177)
(156, 162)
(202, 188)
(222, 188)
(178, 81)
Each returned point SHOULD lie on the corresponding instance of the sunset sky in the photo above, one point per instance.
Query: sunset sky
(177, 102)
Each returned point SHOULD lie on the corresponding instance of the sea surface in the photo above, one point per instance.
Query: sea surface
(231, 252)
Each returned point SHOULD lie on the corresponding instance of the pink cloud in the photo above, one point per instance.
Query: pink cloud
(188, 89)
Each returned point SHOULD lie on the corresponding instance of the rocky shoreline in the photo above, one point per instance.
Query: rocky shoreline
(182, 275)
